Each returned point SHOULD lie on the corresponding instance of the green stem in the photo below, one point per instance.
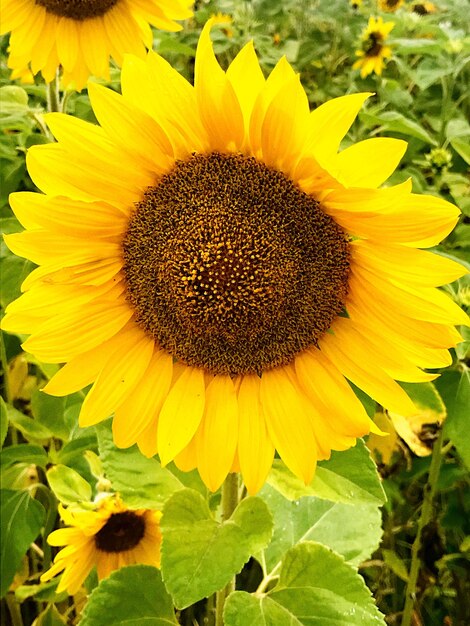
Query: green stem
(14, 609)
(229, 504)
(4, 361)
(53, 95)
(424, 519)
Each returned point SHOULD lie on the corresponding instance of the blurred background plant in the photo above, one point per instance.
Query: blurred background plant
(423, 96)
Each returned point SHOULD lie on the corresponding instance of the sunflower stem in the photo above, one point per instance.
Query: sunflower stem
(424, 519)
(53, 95)
(229, 504)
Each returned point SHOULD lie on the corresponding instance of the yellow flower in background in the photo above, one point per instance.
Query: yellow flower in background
(373, 50)
(222, 19)
(81, 35)
(211, 263)
(390, 6)
(424, 8)
(355, 4)
(110, 537)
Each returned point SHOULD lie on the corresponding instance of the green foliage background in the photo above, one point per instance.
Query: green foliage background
(303, 555)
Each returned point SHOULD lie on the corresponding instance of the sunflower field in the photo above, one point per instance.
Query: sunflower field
(235, 296)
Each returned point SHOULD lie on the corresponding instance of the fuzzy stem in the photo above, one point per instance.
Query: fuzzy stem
(425, 517)
(229, 504)
(53, 95)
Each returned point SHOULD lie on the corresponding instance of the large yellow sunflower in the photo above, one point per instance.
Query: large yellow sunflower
(108, 537)
(211, 263)
(81, 35)
(373, 50)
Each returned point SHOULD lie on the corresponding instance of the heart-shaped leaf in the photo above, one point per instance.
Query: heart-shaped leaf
(316, 587)
(201, 555)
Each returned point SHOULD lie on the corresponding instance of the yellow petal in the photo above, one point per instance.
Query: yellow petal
(144, 404)
(330, 122)
(255, 449)
(288, 425)
(123, 371)
(370, 162)
(218, 105)
(181, 413)
(376, 383)
(216, 439)
(319, 378)
(402, 263)
(123, 122)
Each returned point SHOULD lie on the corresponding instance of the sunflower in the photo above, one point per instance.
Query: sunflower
(81, 35)
(218, 271)
(373, 50)
(109, 537)
(390, 6)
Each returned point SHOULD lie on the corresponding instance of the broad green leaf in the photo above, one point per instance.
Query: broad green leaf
(428, 73)
(141, 482)
(13, 98)
(131, 596)
(349, 476)
(462, 147)
(30, 428)
(49, 411)
(396, 564)
(416, 46)
(316, 587)
(68, 485)
(454, 388)
(3, 421)
(352, 531)
(398, 123)
(24, 453)
(45, 592)
(13, 271)
(50, 617)
(201, 555)
(21, 520)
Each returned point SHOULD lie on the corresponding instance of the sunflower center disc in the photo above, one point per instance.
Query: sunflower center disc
(77, 9)
(122, 531)
(230, 267)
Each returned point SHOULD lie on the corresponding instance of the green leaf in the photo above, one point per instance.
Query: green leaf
(316, 587)
(141, 482)
(417, 46)
(201, 555)
(454, 388)
(352, 531)
(68, 485)
(349, 476)
(21, 520)
(30, 428)
(13, 271)
(24, 453)
(131, 596)
(49, 617)
(398, 123)
(3, 421)
(462, 148)
(45, 592)
(13, 98)
(396, 564)
(49, 411)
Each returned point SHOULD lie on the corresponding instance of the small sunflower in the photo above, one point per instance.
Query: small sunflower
(81, 35)
(390, 6)
(373, 50)
(355, 4)
(211, 263)
(424, 8)
(109, 537)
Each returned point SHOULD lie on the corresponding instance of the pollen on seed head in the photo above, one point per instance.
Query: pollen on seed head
(230, 267)
(77, 9)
